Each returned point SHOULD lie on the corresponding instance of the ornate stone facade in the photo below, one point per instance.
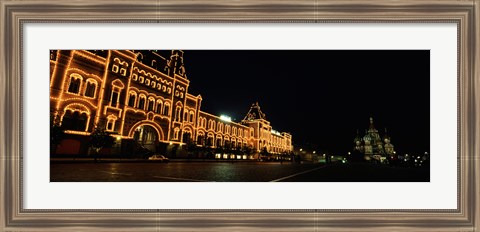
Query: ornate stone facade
(142, 98)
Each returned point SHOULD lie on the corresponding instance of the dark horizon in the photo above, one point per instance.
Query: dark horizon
(322, 97)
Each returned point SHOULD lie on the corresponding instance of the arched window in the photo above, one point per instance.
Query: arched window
(176, 133)
(123, 71)
(135, 77)
(201, 139)
(90, 88)
(132, 98)
(166, 109)
(178, 113)
(191, 116)
(115, 68)
(159, 107)
(141, 102)
(111, 123)
(117, 87)
(74, 120)
(151, 103)
(75, 83)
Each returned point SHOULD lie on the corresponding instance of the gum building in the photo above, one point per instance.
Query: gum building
(141, 98)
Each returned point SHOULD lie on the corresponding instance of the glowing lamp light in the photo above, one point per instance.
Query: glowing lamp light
(225, 118)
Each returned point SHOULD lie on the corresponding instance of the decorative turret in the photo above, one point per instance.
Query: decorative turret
(358, 139)
(175, 64)
(255, 113)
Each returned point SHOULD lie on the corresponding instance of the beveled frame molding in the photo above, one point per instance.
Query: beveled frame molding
(13, 217)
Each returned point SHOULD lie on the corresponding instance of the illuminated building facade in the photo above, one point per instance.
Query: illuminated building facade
(142, 98)
(372, 146)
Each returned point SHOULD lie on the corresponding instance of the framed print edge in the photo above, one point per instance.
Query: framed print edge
(14, 217)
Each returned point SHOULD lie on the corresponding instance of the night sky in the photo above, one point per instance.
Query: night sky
(320, 96)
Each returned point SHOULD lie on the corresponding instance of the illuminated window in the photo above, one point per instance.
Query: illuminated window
(140, 79)
(211, 124)
(147, 82)
(219, 127)
(191, 116)
(154, 63)
(75, 83)
(176, 133)
(123, 71)
(153, 84)
(74, 120)
(132, 98)
(159, 87)
(185, 116)
(135, 77)
(141, 102)
(159, 107)
(114, 97)
(164, 88)
(111, 123)
(166, 108)
(201, 139)
(169, 90)
(178, 113)
(151, 102)
(181, 95)
(115, 68)
(90, 89)
(176, 93)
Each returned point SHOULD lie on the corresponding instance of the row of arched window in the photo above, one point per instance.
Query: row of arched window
(75, 85)
(219, 141)
(165, 87)
(222, 128)
(141, 101)
(188, 115)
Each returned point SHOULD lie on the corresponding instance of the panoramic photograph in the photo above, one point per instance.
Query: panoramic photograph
(240, 116)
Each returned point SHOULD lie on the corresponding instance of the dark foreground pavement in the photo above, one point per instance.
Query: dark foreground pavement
(87, 171)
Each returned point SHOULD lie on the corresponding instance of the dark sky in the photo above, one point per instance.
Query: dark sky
(320, 96)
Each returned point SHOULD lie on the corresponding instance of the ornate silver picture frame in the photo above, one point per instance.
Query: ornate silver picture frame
(15, 217)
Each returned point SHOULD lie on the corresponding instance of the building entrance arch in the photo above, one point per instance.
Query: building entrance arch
(146, 135)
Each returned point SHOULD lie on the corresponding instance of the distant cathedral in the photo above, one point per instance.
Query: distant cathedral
(372, 145)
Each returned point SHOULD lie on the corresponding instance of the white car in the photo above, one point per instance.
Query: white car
(159, 158)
